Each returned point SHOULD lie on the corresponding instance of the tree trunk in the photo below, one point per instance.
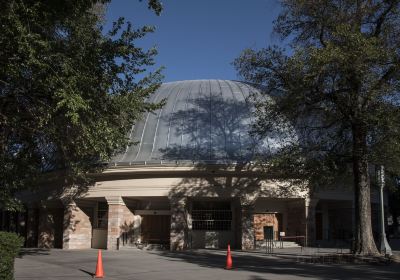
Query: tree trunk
(364, 239)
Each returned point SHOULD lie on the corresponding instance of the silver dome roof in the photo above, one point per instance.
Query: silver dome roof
(202, 121)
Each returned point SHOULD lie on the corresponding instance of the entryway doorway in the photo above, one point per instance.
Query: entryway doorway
(155, 229)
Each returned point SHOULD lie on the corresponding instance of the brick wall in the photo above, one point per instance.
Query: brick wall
(115, 214)
(262, 220)
(247, 228)
(178, 234)
(130, 227)
(121, 219)
(77, 227)
(50, 228)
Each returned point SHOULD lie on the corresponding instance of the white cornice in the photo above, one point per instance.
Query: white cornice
(115, 200)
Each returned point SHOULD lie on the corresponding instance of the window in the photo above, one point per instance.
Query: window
(102, 215)
(211, 216)
(89, 211)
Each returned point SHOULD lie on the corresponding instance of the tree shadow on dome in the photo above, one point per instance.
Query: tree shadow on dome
(211, 129)
(215, 137)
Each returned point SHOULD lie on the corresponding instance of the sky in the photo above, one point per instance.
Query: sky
(199, 39)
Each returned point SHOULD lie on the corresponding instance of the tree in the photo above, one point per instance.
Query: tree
(338, 85)
(69, 90)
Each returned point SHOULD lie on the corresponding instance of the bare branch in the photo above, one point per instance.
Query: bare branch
(381, 19)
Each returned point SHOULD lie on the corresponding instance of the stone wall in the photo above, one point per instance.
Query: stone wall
(77, 227)
(247, 228)
(262, 220)
(179, 227)
(50, 227)
(120, 220)
(130, 227)
(115, 214)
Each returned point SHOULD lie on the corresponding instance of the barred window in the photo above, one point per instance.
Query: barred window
(211, 225)
(211, 216)
(102, 215)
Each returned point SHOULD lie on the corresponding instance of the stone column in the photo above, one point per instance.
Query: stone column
(179, 227)
(310, 204)
(247, 223)
(130, 227)
(115, 219)
(68, 224)
(77, 229)
(46, 229)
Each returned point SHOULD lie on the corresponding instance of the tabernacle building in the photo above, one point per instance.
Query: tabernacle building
(189, 182)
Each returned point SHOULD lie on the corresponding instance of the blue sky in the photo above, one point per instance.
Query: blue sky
(199, 39)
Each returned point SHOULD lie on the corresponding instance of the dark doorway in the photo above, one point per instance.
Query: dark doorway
(57, 215)
(280, 224)
(156, 229)
(318, 226)
(269, 232)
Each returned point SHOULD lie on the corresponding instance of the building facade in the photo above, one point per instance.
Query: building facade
(188, 183)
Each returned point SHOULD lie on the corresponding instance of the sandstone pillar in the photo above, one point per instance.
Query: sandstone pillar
(247, 223)
(310, 231)
(77, 227)
(130, 227)
(46, 229)
(179, 227)
(115, 219)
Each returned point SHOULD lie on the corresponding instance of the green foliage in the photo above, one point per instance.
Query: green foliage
(155, 5)
(339, 86)
(69, 91)
(10, 243)
(341, 73)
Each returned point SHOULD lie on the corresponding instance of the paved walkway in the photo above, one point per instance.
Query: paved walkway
(199, 264)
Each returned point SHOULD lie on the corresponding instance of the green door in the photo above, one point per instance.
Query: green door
(269, 232)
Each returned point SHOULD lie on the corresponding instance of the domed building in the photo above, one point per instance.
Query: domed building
(190, 182)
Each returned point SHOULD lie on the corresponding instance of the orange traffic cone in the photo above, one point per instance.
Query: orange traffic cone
(99, 266)
(228, 258)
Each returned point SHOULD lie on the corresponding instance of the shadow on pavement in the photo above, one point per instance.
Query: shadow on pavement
(33, 252)
(285, 266)
(88, 272)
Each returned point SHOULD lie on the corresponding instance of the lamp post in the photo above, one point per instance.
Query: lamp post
(384, 246)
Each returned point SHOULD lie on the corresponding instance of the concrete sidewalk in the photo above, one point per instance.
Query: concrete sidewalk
(197, 264)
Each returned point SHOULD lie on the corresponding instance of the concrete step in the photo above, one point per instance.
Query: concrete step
(149, 247)
(278, 244)
(156, 247)
(128, 247)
